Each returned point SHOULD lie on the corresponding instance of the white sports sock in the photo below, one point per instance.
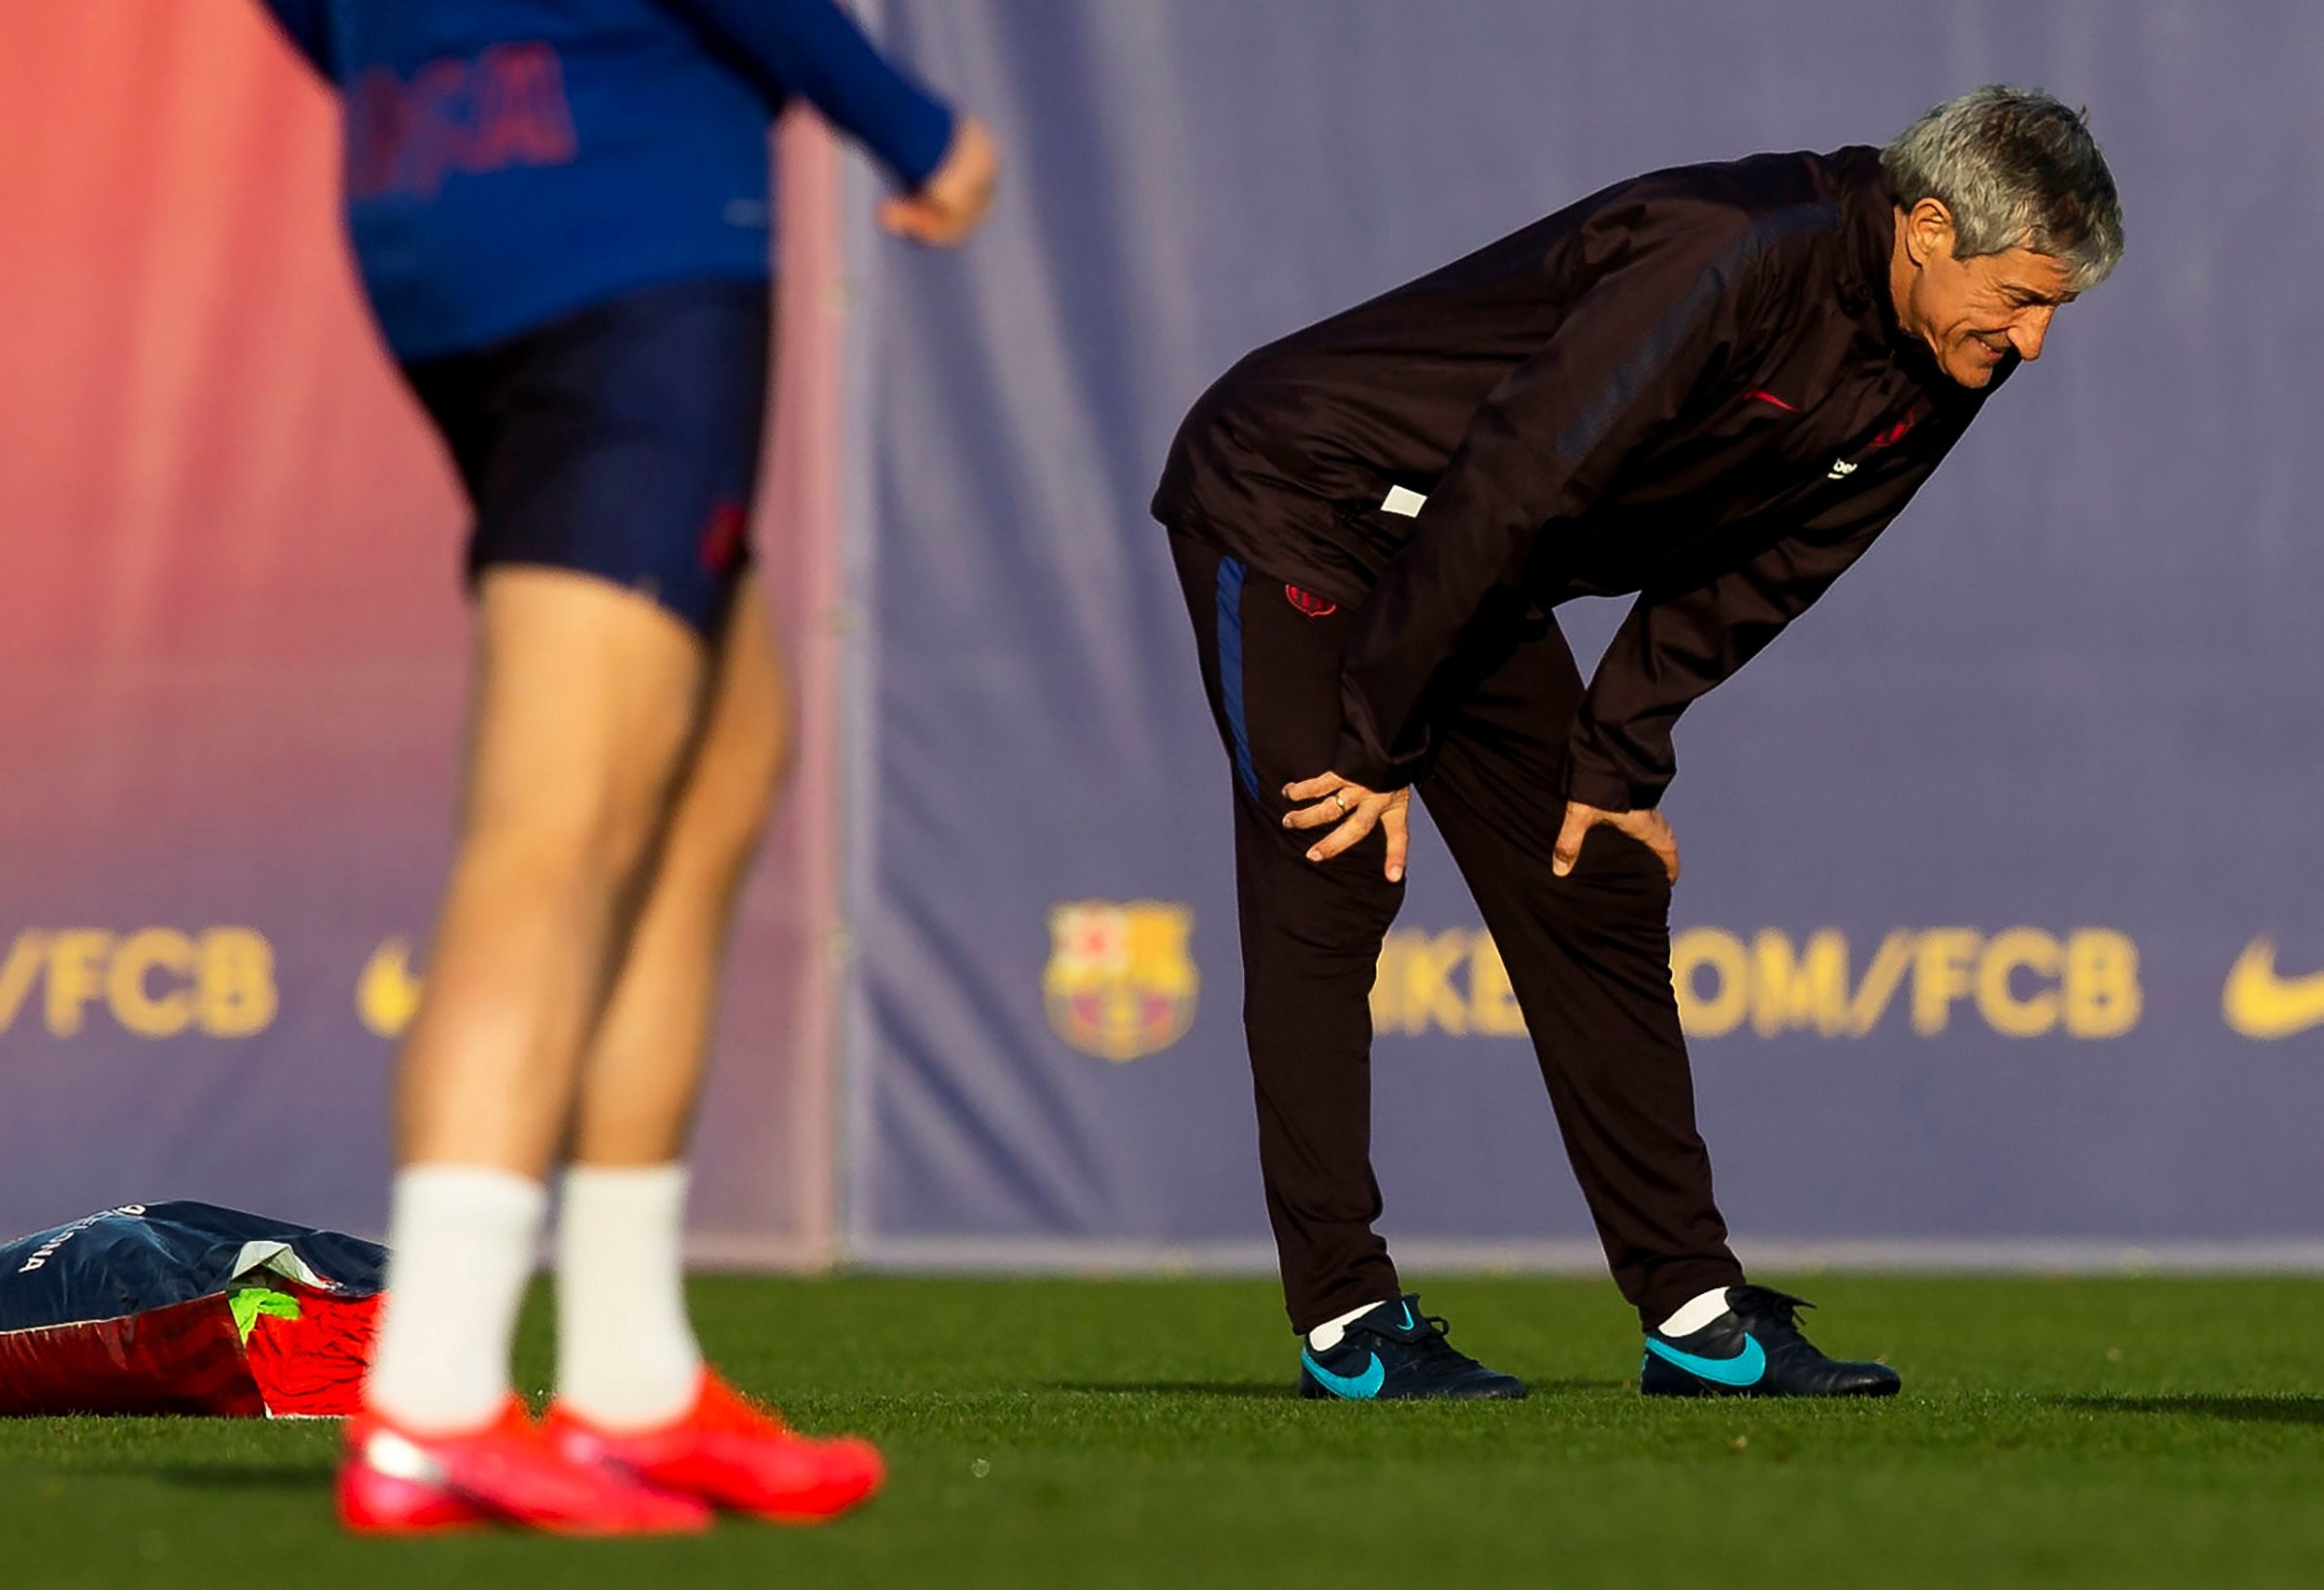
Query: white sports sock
(1697, 1312)
(1324, 1336)
(461, 1243)
(625, 1354)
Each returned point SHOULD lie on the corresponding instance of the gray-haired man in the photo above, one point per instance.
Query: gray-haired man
(1712, 387)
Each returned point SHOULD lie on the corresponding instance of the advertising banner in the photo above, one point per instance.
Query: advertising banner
(1999, 937)
(233, 653)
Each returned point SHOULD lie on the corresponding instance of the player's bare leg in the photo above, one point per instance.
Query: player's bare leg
(587, 697)
(632, 1392)
(626, 1353)
(642, 1069)
(585, 702)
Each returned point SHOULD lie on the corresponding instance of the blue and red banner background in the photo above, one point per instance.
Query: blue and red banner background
(1974, 853)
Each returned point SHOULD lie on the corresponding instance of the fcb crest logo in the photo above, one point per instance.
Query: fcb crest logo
(1120, 983)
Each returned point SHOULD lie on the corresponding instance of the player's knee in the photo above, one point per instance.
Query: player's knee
(581, 837)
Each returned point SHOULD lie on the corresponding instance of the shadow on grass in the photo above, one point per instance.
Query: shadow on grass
(246, 1476)
(1175, 1388)
(313, 1478)
(2255, 1409)
(1277, 1390)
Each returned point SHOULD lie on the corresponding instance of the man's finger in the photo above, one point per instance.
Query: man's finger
(1667, 847)
(1316, 816)
(1568, 849)
(1392, 822)
(916, 220)
(1361, 822)
(1652, 831)
(1312, 788)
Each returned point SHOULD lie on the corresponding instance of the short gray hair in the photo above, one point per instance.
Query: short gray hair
(2017, 170)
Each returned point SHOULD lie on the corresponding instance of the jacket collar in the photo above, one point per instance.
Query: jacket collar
(1868, 210)
(1868, 225)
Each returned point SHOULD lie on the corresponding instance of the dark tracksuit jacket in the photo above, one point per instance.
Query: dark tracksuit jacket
(1691, 386)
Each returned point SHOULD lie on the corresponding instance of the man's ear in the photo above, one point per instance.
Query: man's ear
(1929, 232)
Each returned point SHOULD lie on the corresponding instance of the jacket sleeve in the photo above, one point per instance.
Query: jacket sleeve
(812, 49)
(1546, 442)
(303, 24)
(1676, 645)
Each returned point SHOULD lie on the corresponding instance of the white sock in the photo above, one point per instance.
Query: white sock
(626, 1354)
(461, 1245)
(1324, 1336)
(1697, 1312)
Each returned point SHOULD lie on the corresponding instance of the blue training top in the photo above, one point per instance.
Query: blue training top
(509, 161)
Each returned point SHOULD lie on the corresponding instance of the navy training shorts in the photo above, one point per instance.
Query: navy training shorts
(621, 440)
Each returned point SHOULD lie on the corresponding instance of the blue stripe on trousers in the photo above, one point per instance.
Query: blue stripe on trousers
(1230, 669)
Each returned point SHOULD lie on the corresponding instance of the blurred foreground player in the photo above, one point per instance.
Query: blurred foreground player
(560, 208)
(1712, 387)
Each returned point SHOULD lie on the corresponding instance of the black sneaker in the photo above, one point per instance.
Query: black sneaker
(1397, 1351)
(1755, 1350)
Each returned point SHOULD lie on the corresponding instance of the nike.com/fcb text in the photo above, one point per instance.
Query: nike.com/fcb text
(2019, 981)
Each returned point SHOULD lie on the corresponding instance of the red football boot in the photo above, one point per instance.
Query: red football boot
(733, 1454)
(397, 1482)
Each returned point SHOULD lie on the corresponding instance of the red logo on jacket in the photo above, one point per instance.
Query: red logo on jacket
(1308, 602)
(504, 108)
(1896, 433)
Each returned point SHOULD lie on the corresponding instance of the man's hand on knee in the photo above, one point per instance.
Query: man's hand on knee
(1356, 810)
(1648, 827)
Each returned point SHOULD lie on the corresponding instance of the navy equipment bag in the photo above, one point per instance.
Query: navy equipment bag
(185, 1307)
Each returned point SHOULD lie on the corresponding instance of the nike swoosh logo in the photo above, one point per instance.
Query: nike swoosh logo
(1744, 1369)
(1407, 1308)
(1355, 1387)
(2259, 1004)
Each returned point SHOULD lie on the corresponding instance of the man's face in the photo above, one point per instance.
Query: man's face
(1971, 313)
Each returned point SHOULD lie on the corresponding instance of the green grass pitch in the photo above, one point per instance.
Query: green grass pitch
(2052, 1432)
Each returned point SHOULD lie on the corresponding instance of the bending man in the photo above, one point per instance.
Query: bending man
(1712, 387)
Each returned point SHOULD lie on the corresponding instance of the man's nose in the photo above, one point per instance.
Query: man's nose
(2028, 330)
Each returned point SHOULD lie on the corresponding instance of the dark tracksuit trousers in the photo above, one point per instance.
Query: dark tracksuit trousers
(1588, 955)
